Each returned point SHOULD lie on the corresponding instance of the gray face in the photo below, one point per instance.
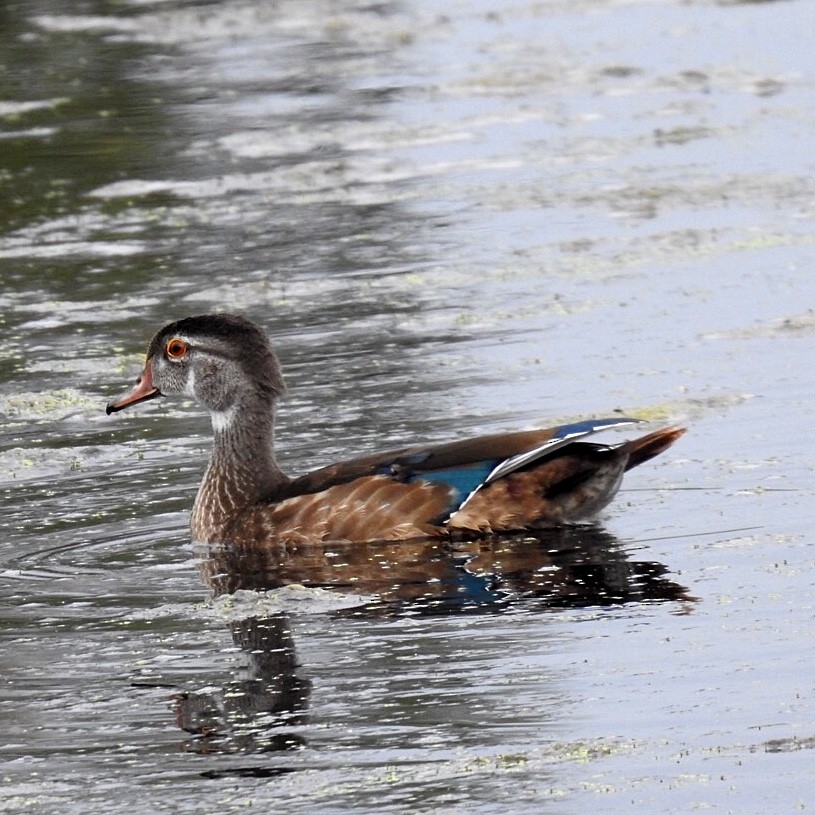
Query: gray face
(217, 359)
(222, 361)
(202, 369)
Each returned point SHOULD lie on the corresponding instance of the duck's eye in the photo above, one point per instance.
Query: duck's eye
(176, 348)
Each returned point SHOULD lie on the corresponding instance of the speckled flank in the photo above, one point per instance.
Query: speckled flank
(218, 499)
(373, 508)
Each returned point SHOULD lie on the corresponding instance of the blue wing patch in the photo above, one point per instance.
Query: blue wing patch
(462, 479)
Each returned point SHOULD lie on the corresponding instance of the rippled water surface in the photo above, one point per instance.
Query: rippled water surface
(452, 221)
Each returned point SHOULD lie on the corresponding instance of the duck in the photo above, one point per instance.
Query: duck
(508, 482)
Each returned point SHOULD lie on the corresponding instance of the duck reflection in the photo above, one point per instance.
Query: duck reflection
(253, 712)
(567, 568)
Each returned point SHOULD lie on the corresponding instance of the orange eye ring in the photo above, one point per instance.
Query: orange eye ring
(176, 348)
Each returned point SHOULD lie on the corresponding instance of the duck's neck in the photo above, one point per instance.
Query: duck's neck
(242, 470)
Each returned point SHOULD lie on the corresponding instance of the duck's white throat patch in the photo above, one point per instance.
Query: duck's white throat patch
(222, 419)
(189, 385)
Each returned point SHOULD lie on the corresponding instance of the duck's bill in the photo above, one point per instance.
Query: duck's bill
(140, 392)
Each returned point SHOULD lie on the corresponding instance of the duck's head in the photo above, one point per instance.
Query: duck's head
(219, 360)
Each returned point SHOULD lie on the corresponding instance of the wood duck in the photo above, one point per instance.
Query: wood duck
(506, 482)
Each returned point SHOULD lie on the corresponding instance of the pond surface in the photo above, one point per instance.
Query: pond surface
(452, 222)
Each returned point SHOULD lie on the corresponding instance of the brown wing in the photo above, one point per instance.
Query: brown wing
(495, 447)
(365, 509)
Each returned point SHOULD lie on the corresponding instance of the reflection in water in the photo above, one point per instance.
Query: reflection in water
(574, 567)
(254, 712)
(570, 566)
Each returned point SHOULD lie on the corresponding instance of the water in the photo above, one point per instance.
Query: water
(452, 222)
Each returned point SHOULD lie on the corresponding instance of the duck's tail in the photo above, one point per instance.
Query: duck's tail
(645, 447)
